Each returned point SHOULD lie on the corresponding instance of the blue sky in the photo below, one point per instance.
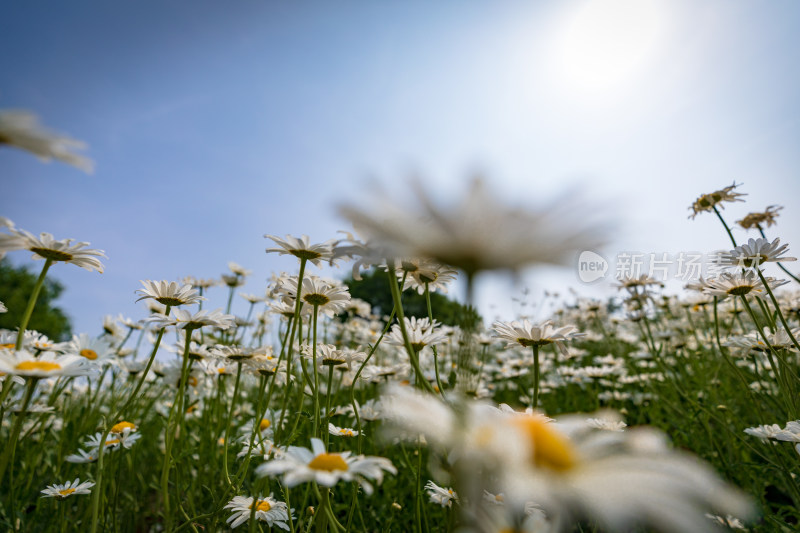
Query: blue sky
(212, 123)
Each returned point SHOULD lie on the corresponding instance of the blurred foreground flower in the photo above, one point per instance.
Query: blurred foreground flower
(22, 129)
(479, 232)
(572, 470)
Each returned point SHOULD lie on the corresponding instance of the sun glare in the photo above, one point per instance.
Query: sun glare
(605, 42)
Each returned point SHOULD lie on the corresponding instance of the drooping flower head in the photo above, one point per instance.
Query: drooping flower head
(760, 220)
(707, 202)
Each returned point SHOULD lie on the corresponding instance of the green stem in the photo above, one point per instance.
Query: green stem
(398, 305)
(142, 379)
(761, 231)
(535, 392)
(328, 405)
(230, 420)
(778, 309)
(435, 351)
(31, 303)
(316, 374)
(725, 225)
(10, 448)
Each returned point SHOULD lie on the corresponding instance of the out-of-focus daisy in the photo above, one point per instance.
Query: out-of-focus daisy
(342, 432)
(169, 293)
(330, 355)
(83, 456)
(739, 284)
(329, 298)
(619, 480)
(760, 220)
(707, 202)
(302, 248)
(3, 308)
(755, 253)
(112, 328)
(22, 129)
(607, 423)
(268, 510)
(123, 427)
(46, 365)
(183, 319)
(300, 465)
(753, 341)
(45, 246)
(252, 298)
(233, 353)
(238, 269)
(232, 280)
(421, 333)
(70, 488)
(126, 439)
(428, 274)
(97, 350)
(729, 521)
(441, 495)
(479, 232)
(526, 334)
(200, 283)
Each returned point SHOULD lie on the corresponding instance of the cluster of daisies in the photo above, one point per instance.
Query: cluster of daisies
(278, 408)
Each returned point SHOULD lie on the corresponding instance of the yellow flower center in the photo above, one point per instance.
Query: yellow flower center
(551, 449)
(8, 346)
(66, 492)
(265, 424)
(328, 462)
(44, 366)
(112, 442)
(262, 505)
(122, 426)
(89, 354)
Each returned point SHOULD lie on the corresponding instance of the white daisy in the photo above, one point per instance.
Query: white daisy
(300, 465)
(441, 495)
(302, 248)
(47, 247)
(526, 334)
(183, 319)
(70, 488)
(169, 293)
(268, 510)
(755, 253)
(421, 333)
(342, 432)
(46, 365)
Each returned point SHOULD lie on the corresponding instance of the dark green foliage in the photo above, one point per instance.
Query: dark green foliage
(374, 288)
(16, 285)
